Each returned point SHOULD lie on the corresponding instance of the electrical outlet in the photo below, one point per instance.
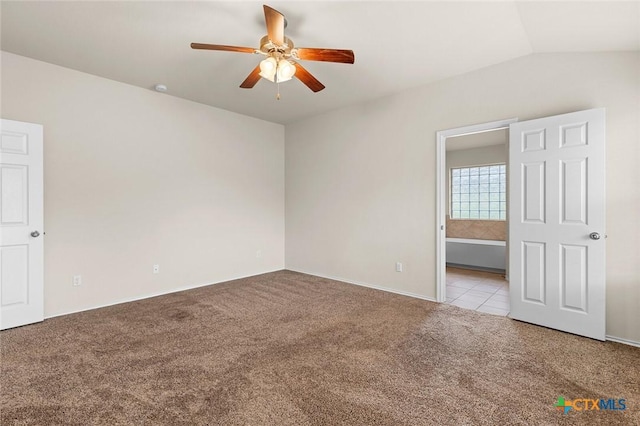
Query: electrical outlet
(156, 269)
(77, 280)
(398, 267)
(258, 253)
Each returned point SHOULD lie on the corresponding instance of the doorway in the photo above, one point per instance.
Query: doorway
(475, 190)
(556, 254)
(472, 266)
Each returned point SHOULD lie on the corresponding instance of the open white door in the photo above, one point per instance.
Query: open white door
(21, 220)
(557, 222)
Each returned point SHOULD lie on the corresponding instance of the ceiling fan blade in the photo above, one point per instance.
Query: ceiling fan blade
(222, 47)
(252, 78)
(275, 25)
(327, 55)
(305, 76)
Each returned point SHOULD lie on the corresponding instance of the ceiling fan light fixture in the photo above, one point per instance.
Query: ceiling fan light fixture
(268, 68)
(286, 70)
(277, 70)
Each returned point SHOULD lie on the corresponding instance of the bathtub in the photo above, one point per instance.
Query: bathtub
(478, 254)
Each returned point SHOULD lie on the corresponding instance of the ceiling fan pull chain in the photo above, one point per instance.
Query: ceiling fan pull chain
(277, 79)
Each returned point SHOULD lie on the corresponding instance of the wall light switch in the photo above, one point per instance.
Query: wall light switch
(156, 269)
(77, 280)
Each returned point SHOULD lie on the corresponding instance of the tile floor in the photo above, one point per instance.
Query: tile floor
(481, 291)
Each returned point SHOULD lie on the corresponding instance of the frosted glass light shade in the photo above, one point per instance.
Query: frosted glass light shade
(286, 70)
(268, 68)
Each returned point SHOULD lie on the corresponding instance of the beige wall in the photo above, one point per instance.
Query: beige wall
(475, 156)
(134, 178)
(361, 181)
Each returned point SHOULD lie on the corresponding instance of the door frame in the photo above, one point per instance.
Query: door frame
(441, 207)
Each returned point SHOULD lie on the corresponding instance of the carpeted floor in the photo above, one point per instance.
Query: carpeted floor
(291, 349)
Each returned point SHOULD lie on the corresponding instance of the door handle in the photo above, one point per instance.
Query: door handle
(594, 236)
(35, 234)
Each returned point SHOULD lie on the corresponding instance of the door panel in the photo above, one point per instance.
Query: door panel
(15, 190)
(534, 192)
(557, 270)
(573, 277)
(21, 213)
(533, 277)
(573, 189)
(14, 261)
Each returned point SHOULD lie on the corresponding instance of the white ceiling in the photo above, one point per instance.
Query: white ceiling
(398, 45)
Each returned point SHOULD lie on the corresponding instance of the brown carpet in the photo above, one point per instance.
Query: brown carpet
(291, 349)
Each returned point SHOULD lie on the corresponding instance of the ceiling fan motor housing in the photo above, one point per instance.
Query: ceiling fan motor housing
(268, 47)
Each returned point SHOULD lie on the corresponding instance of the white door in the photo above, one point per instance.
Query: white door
(557, 222)
(21, 220)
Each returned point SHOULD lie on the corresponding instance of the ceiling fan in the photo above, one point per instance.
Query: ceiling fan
(281, 64)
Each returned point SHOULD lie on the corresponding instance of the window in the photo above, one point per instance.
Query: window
(479, 192)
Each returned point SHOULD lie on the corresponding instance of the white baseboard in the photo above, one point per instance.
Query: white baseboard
(162, 293)
(363, 284)
(623, 341)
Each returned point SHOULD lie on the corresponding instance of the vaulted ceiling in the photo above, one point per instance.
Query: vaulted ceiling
(398, 45)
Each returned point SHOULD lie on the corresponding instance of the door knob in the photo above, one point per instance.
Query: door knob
(35, 234)
(594, 236)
